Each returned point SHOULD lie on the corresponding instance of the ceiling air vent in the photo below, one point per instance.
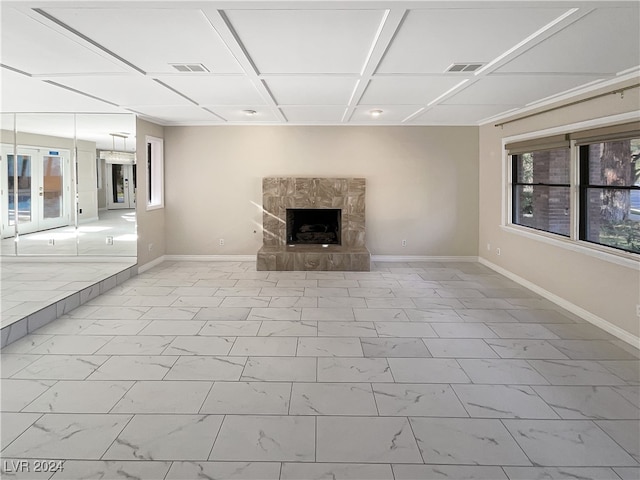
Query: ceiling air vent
(189, 67)
(464, 67)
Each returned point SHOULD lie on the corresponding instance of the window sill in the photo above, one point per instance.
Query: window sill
(618, 257)
(154, 207)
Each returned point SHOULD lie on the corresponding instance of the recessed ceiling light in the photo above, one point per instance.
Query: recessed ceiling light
(375, 113)
(249, 113)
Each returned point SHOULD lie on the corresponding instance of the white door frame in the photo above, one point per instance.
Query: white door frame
(37, 220)
(129, 190)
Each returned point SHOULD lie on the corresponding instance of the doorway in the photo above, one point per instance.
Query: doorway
(121, 186)
(43, 181)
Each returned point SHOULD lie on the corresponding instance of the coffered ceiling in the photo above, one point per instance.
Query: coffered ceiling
(310, 62)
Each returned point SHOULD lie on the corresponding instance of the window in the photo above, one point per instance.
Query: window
(155, 173)
(583, 185)
(541, 190)
(610, 193)
(541, 185)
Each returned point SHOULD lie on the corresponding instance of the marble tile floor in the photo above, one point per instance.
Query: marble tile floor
(411, 371)
(90, 240)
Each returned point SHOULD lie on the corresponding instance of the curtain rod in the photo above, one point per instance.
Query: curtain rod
(577, 102)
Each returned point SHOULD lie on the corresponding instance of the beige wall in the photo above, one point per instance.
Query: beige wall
(422, 184)
(604, 289)
(150, 224)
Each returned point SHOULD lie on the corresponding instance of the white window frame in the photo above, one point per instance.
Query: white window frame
(572, 243)
(156, 182)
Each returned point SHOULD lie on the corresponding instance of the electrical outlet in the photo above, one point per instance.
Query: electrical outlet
(51, 242)
(404, 243)
(150, 247)
(109, 240)
(638, 310)
(221, 242)
(488, 247)
(498, 252)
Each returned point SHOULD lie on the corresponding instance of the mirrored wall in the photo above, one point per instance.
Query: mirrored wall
(68, 184)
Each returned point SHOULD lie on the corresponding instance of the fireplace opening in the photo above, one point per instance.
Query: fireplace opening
(313, 226)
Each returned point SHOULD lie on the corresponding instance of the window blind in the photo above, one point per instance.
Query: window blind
(613, 132)
(537, 144)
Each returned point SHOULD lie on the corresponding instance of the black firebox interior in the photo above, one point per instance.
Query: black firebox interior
(313, 226)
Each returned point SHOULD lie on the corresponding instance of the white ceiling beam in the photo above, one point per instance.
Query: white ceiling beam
(56, 25)
(559, 23)
(41, 16)
(229, 36)
(59, 26)
(389, 25)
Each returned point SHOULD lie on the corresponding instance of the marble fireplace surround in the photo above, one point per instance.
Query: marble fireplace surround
(347, 194)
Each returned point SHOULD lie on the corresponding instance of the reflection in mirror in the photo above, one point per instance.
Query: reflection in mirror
(73, 181)
(106, 184)
(46, 190)
(7, 184)
(56, 165)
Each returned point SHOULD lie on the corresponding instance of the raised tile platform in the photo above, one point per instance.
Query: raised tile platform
(79, 282)
(314, 258)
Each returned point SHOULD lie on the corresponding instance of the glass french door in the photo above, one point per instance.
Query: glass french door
(121, 186)
(42, 179)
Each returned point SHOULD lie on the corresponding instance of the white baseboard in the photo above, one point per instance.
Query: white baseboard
(67, 259)
(571, 307)
(252, 258)
(420, 258)
(149, 265)
(374, 258)
(211, 258)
